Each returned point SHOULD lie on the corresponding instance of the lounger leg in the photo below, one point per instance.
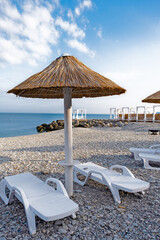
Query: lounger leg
(146, 164)
(31, 221)
(136, 156)
(29, 213)
(3, 192)
(75, 179)
(11, 196)
(115, 194)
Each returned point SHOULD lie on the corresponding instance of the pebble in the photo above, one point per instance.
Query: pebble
(116, 238)
(66, 238)
(121, 210)
(65, 227)
(62, 230)
(77, 191)
(58, 222)
(74, 222)
(111, 226)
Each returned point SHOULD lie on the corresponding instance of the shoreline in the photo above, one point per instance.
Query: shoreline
(84, 123)
(98, 217)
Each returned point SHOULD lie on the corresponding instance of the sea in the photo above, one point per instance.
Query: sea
(20, 124)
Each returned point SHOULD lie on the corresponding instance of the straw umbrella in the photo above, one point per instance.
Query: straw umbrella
(154, 98)
(67, 78)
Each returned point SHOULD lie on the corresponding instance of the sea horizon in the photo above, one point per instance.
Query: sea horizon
(21, 124)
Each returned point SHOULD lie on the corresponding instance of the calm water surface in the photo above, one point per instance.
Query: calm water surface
(20, 124)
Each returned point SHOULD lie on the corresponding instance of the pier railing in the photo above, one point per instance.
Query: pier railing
(79, 114)
(137, 114)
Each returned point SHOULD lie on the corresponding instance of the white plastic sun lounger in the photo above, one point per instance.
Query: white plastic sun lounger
(150, 157)
(115, 181)
(154, 149)
(38, 198)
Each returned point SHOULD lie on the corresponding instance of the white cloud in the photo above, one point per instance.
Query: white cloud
(99, 33)
(71, 28)
(81, 47)
(26, 35)
(70, 14)
(10, 51)
(56, 2)
(8, 25)
(77, 11)
(82, 6)
(10, 11)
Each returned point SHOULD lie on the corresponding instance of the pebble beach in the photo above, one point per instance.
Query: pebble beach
(98, 218)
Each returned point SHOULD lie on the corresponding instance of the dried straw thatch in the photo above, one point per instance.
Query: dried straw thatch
(154, 98)
(66, 71)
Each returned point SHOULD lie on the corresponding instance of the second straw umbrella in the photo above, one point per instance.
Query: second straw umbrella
(154, 98)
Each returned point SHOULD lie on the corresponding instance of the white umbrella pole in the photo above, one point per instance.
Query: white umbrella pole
(68, 140)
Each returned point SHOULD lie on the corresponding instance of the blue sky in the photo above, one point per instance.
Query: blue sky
(120, 39)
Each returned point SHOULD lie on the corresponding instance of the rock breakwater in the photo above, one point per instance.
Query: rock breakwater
(59, 124)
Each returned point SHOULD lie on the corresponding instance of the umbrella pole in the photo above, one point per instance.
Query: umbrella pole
(68, 140)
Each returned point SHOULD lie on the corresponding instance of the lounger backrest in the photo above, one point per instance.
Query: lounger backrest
(32, 186)
(94, 167)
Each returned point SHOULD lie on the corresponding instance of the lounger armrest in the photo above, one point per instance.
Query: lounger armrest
(59, 184)
(154, 146)
(125, 170)
(96, 172)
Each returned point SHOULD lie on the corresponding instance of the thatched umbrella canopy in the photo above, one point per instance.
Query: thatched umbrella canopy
(154, 98)
(67, 78)
(66, 71)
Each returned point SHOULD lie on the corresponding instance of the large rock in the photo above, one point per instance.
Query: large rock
(75, 123)
(49, 128)
(59, 124)
(120, 124)
(40, 128)
(44, 124)
(55, 125)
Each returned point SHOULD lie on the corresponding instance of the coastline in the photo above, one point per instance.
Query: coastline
(98, 216)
